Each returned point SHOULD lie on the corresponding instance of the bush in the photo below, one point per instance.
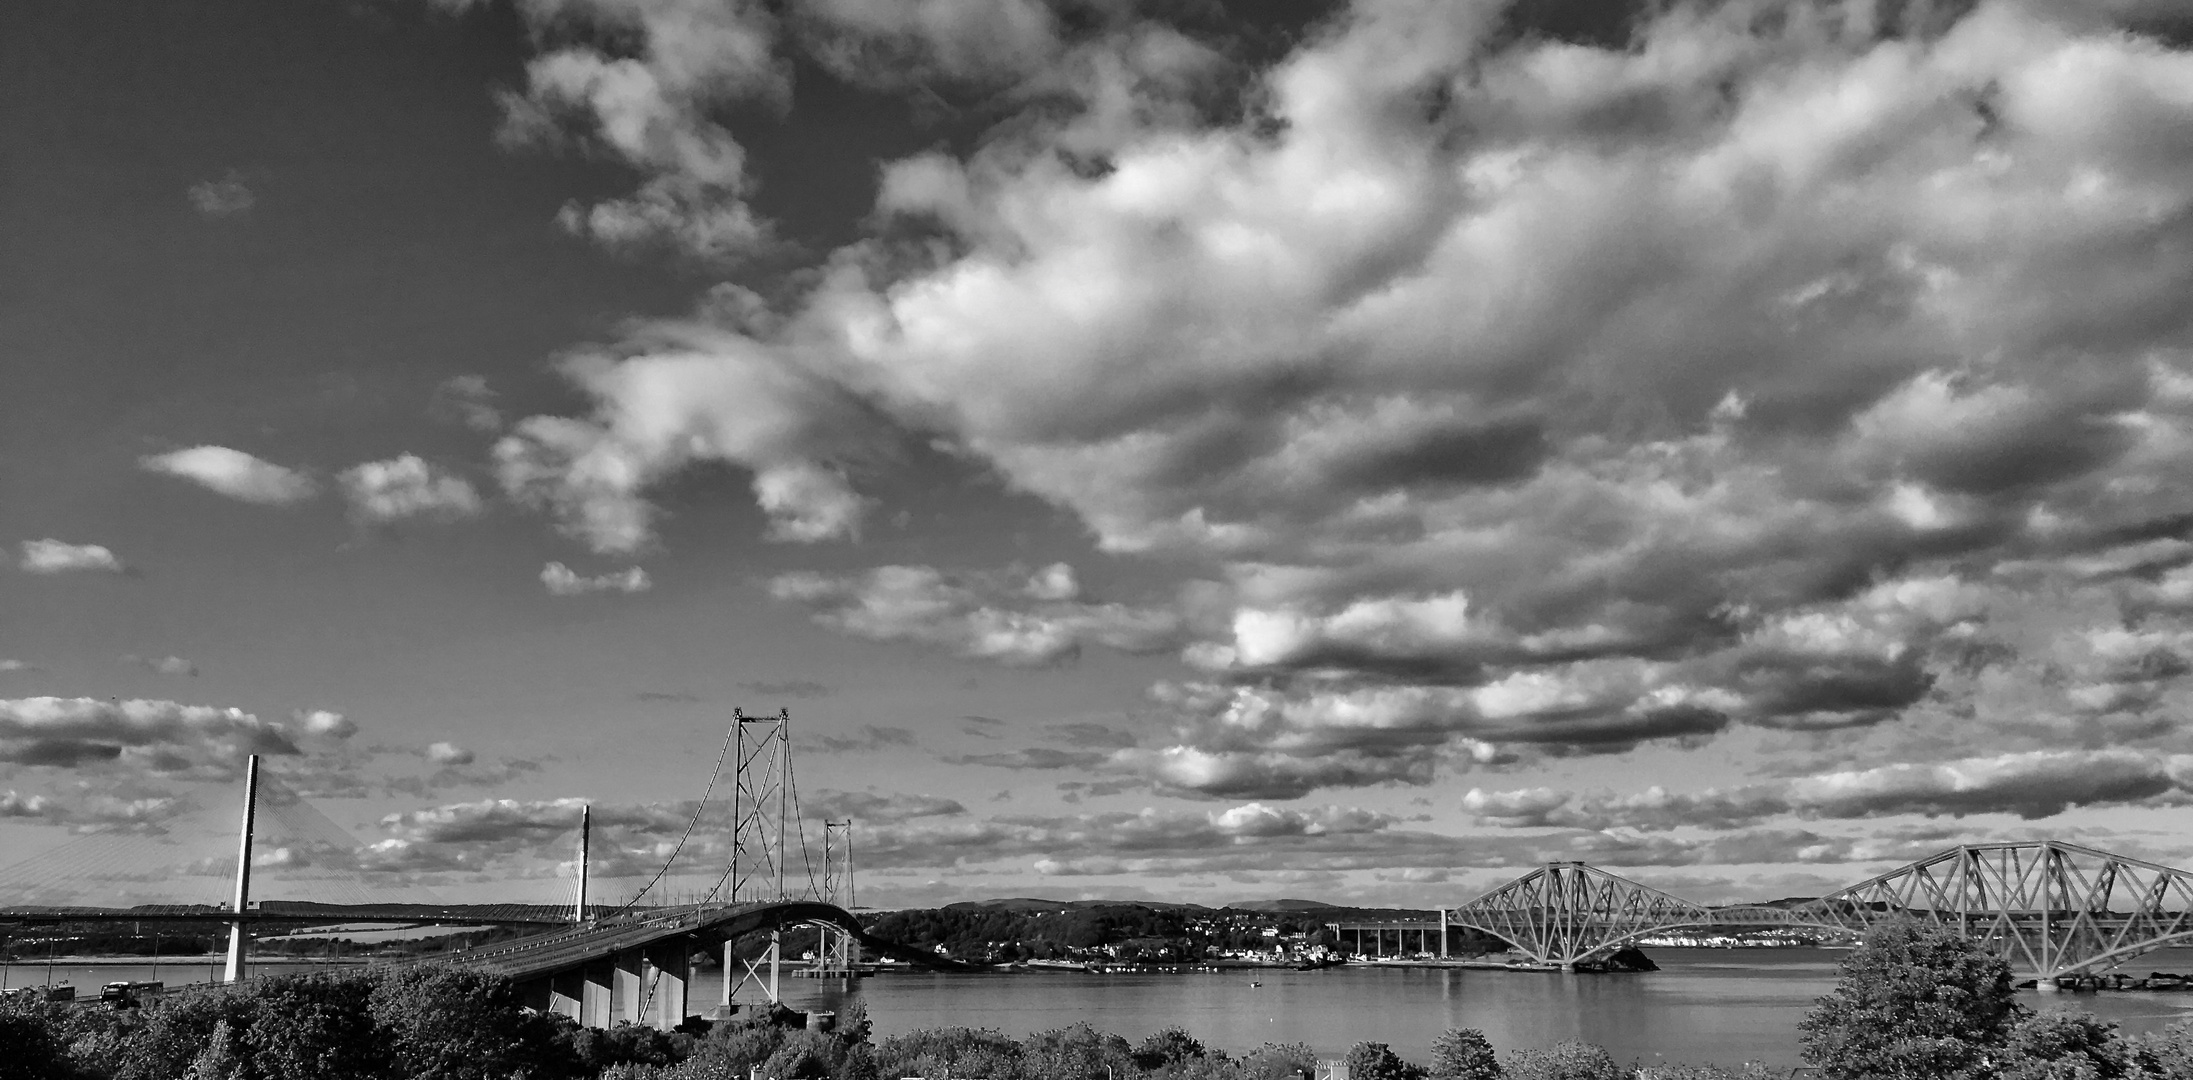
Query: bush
(1464, 1054)
(1564, 1061)
(1913, 1000)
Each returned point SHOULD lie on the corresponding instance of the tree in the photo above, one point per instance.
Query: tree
(2162, 1055)
(1377, 1061)
(1913, 1001)
(1076, 1052)
(1464, 1054)
(1564, 1061)
(1168, 1047)
(2063, 1045)
(448, 1023)
(1278, 1061)
(313, 1026)
(32, 1051)
(220, 1059)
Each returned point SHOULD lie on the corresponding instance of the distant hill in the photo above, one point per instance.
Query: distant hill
(1284, 905)
(1022, 905)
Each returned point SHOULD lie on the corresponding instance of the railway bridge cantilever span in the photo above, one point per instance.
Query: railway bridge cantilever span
(2052, 909)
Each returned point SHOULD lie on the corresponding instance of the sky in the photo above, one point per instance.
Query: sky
(1176, 449)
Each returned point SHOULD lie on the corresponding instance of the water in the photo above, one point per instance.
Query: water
(1705, 1005)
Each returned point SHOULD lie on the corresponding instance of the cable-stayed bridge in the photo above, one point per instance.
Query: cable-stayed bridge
(2054, 910)
(603, 963)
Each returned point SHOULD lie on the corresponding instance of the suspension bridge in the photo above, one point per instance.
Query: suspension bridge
(2055, 911)
(601, 964)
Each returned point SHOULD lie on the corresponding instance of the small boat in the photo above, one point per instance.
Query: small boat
(1253, 982)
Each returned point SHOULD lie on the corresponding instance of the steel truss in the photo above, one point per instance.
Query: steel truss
(2052, 909)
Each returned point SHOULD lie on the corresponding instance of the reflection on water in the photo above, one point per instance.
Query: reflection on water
(1726, 1006)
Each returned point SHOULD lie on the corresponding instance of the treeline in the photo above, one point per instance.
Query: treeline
(1913, 1003)
(998, 933)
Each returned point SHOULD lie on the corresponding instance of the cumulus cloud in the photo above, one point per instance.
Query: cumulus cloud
(447, 753)
(324, 723)
(467, 400)
(226, 197)
(8, 666)
(1001, 617)
(978, 42)
(650, 102)
(561, 580)
(235, 474)
(162, 737)
(406, 486)
(50, 556)
(1524, 396)
(164, 665)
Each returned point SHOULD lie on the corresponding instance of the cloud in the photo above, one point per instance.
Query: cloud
(791, 688)
(669, 697)
(1037, 757)
(446, 753)
(164, 665)
(2031, 785)
(162, 737)
(8, 666)
(51, 556)
(406, 486)
(870, 737)
(1023, 622)
(1521, 396)
(561, 580)
(979, 42)
(224, 198)
(650, 103)
(467, 400)
(660, 394)
(884, 806)
(34, 807)
(324, 723)
(235, 474)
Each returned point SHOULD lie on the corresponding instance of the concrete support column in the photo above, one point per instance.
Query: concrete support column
(566, 994)
(2046, 986)
(628, 987)
(730, 977)
(597, 994)
(669, 976)
(1442, 933)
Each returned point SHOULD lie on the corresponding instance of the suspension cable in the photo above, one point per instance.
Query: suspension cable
(728, 738)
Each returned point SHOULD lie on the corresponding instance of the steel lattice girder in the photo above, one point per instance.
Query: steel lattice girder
(2052, 909)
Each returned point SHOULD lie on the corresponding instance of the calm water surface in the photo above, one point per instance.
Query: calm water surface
(1718, 1005)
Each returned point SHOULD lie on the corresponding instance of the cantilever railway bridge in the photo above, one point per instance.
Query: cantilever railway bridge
(2054, 910)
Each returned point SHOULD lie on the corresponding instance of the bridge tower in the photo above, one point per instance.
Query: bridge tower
(761, 803)
(238, 935)
(586, 834)
(836, 952)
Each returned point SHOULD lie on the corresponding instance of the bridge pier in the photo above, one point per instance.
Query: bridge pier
(2046, 986)
(668, 976)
